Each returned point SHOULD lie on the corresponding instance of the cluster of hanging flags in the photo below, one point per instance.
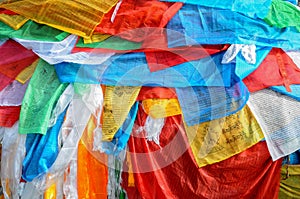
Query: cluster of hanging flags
(150, 99)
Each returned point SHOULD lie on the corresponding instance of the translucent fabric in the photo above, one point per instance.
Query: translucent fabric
(156, 92)
(121, 137)
(115, 166)
(49, 47)
(5, 81)
(247, 51)
(201, 104)
(41, 151)
(60, 15)
(169, 170)
(13, 94)
(32, 30)
(72, 130)
(283, 14)
(204, 25)
(278, 116)
(133, 14)
(243, 68)
(57, 52)
(131, 70)
(117, 104)
(161, 108)
(295, 91)
(62, 103)
(252, 9)
(15, 58)
(92, 171)
(153, 128)
(295, 56)
(160, 59)
(12, 155)
(96, 37)
(70, 176)
(14, 21)
(218, 140)
(27, 73)
(9, 115)
(111, 44)
(40, 98)
(276, 69)
(290, 181)
(50, 193)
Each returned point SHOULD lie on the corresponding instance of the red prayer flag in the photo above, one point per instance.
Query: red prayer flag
(163, 172)
(277, 69)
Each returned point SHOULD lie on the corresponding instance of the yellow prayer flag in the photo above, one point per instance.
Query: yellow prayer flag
(96, 38)
(290, 182)
(73, 16)
(220, 139)
(118, 101)
(50, 193)
(14, 21)
(161, 108)
(26, 74)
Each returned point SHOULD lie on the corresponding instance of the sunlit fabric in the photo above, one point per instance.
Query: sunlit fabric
(243, 69)
(60, 14)
(92, 171)
(223, 138)
(27, 73)
(156, 92)
(15, 58)
(276, 69)
(295, 91)
(41, 95)
(133, 14)
(169, 171)
(204, 72)
(204, 103)
(279, 116)
(203, 25)
(13, 94)
(161, 108)
(14, 21)
(9, 115)
(252, 9)
(4, 81)
(41, 151)
(96, 38)
(283, 14)
(118, 101)
(50, 193)
(12, 155)
(121, 137)
(160, 59)
(111, 44)
(32, 30)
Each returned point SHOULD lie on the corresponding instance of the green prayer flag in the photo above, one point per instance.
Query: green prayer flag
(42, 93)
(114, 43)
(283, 14)
(32, 31)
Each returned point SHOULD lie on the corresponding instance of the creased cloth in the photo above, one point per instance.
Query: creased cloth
(13, 94)
(278, 116)
(204, 25)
